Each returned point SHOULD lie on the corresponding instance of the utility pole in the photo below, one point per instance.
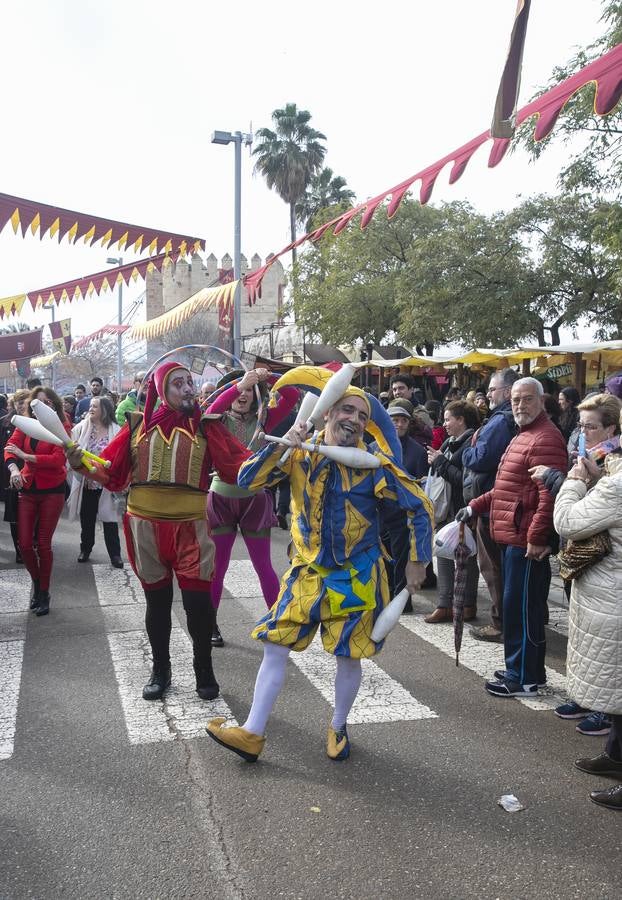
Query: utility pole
(119, 262)
(237, 138)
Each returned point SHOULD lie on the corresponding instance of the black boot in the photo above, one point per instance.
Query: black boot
(158, 683)
(34, 597)
(207, 686)
(44, 604)
(217, 638)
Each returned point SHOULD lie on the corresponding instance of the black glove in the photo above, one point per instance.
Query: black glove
(464, 514)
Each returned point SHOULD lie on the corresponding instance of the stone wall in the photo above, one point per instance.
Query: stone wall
(178, 282)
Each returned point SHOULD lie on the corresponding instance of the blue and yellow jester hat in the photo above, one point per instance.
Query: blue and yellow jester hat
(379, 426)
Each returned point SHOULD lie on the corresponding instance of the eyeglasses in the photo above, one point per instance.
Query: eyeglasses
(589, 426)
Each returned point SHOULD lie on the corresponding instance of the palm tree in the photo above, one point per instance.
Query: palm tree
(289, 156)
(324, 190)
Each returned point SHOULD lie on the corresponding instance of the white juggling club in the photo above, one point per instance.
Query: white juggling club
(307, 406)
(34, 429)
(390, 615)
(333, 390)
(50, 420)
(347, 456)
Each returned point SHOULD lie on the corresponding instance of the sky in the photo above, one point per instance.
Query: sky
(109, 108)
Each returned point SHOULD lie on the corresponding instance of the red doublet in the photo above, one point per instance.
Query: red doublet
(166, 526)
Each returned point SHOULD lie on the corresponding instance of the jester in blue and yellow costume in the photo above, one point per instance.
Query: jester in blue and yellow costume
(337, 578)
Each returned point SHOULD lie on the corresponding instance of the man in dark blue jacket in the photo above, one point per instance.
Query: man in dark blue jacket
(394, 531)
(481, 461)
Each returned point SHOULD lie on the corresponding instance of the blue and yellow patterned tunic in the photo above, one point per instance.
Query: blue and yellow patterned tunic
(337, 578)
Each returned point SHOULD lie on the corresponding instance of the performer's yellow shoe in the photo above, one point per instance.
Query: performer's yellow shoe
(243, 742)
(338, 743)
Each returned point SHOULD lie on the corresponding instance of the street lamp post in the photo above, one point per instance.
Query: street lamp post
(238, 138)
(119, 262)
(53, 309)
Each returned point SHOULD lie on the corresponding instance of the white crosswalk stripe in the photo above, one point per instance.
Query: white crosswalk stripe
(181, 713)
(380, 699)
(14, 608)
(483, 658)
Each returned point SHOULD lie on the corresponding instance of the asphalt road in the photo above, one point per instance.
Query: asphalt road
(100, 797)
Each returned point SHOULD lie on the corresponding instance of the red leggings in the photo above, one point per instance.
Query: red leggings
(40, 512)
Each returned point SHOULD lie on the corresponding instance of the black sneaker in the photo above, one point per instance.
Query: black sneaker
(505, 688)
(594, 725)
(501, 675)
(571, 710)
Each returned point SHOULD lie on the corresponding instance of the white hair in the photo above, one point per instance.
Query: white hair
(531, 382)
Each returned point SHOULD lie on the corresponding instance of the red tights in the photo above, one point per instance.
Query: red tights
(37, 516)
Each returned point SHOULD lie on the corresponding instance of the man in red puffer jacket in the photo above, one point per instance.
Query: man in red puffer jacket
(521, 522)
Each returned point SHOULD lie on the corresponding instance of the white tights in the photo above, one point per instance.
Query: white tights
(271, 677)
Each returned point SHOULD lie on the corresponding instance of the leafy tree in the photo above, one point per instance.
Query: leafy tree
(323, 191)
(598, 164)
(347, 284)
(200, 329)
(438, 275)
(465, 282)
(428, 276)
(575, 268)
(15, 328)
(96, 358)
(289, 156)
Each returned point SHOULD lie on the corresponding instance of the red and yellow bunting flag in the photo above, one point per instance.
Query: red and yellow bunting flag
(12, 306)
(87, 285)
(39, 217)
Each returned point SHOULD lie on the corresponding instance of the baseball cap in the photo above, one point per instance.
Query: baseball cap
(400, 407)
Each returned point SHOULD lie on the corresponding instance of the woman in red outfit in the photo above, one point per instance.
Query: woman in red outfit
(41, 486)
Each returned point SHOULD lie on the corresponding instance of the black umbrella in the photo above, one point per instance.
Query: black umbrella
(461, 558)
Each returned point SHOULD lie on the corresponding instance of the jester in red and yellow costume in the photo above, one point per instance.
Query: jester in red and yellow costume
(165, 456)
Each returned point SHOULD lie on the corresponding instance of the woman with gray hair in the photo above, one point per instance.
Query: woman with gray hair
(87, 499)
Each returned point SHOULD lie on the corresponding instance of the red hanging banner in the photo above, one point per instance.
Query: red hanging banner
(21, 345)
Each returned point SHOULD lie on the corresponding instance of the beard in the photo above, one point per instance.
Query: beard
(187, 406)
(342, 435)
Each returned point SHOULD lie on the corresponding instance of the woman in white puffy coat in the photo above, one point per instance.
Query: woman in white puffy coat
(594, 665)
(87, 500)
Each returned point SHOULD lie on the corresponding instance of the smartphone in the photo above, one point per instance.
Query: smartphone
(581, 446)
